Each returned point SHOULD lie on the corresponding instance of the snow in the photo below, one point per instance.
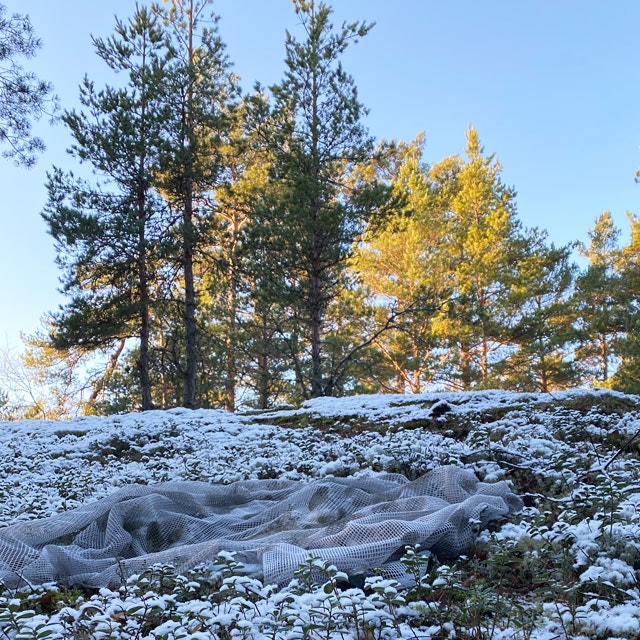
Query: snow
(578, 469)
(609, 570)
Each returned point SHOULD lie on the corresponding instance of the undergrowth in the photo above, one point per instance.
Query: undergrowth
(566, 567)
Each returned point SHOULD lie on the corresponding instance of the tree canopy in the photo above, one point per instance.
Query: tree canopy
(226, 250)
(24, 98)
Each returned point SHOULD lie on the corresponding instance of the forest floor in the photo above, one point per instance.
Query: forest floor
(566, 566)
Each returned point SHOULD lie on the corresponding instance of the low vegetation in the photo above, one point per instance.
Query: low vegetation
(565, 567)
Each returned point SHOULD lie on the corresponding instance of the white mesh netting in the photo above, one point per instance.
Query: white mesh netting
(359, 524)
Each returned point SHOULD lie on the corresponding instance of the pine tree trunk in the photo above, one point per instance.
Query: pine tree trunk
(316, 333)
(465, 368)
(143, 275)
(263, 363)
(484, 356)
(143, 360)
(315, 284)
(484, 359)
(143, 294)
(604, 356)
(190, 303)
(231, 370)
(415, 383)
(189, 397)
(164, 390)
(544, 373)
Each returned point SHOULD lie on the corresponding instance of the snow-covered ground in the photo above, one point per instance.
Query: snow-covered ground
(565, 567)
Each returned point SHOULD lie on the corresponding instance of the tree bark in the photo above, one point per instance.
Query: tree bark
(604, 356)
(315, 309)
(263, 360)
(143, 293)
(190, 303)
(231, 372)
(315, 280)
(143, 275)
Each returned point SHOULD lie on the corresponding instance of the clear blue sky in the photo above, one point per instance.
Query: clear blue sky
(553, 87)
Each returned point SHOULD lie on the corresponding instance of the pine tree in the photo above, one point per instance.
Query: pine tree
(627, 345)
(107, 229)
(23, 96)
(202, 89)
(601, 302)
(479, 235)
(226, 300)
(400, 267)
(317, 138)
(538, 326)
(271, 327)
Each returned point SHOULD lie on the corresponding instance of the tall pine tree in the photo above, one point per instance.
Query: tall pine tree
(627, 345)
(601, 302)
(538, 325)
(317, 139)
(106, 228)
(399, 265)
(479, 235)
(202, 89)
